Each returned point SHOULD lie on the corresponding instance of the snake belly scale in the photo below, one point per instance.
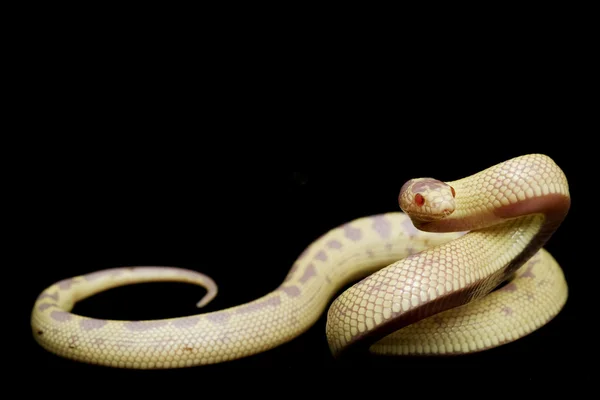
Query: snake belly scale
(426, 280)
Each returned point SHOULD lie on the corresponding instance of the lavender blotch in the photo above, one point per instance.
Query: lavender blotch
(184, 323)
(65, 284)
(218, 318)
(352, 233)
(308, 273)
(49, 296)
(45, 306)
(382, 226)
(60, 316)
(291, 291)
(334, 244)
(90, 324)
(409, 228)
(144, 325)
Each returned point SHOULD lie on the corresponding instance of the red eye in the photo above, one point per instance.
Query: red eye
(453, 192)
(419, 199)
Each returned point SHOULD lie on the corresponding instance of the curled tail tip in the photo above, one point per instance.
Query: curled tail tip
(208, 297)
(201, 303)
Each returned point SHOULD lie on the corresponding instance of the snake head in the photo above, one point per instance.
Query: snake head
(426, 200)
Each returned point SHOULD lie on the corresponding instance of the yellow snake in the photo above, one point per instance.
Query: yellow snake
(473, 276)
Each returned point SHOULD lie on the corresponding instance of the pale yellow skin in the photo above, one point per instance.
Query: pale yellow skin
(406, 270)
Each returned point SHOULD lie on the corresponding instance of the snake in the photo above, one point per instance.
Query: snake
(459, 269)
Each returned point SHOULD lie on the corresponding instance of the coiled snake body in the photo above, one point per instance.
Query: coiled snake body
(427, 291)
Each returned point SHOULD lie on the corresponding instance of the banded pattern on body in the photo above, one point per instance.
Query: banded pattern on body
(411, 275)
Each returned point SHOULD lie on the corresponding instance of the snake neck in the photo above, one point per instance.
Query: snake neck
(531, 185)
(510, 210)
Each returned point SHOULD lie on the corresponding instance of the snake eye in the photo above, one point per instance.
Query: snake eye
(419, 199)
(453, 192)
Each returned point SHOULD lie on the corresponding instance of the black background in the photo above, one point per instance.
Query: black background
(244, 225)
(231, 160)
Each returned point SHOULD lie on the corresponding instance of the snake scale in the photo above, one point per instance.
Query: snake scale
(460, 269)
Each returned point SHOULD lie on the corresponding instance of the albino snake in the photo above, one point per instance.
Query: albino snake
(427, 291)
